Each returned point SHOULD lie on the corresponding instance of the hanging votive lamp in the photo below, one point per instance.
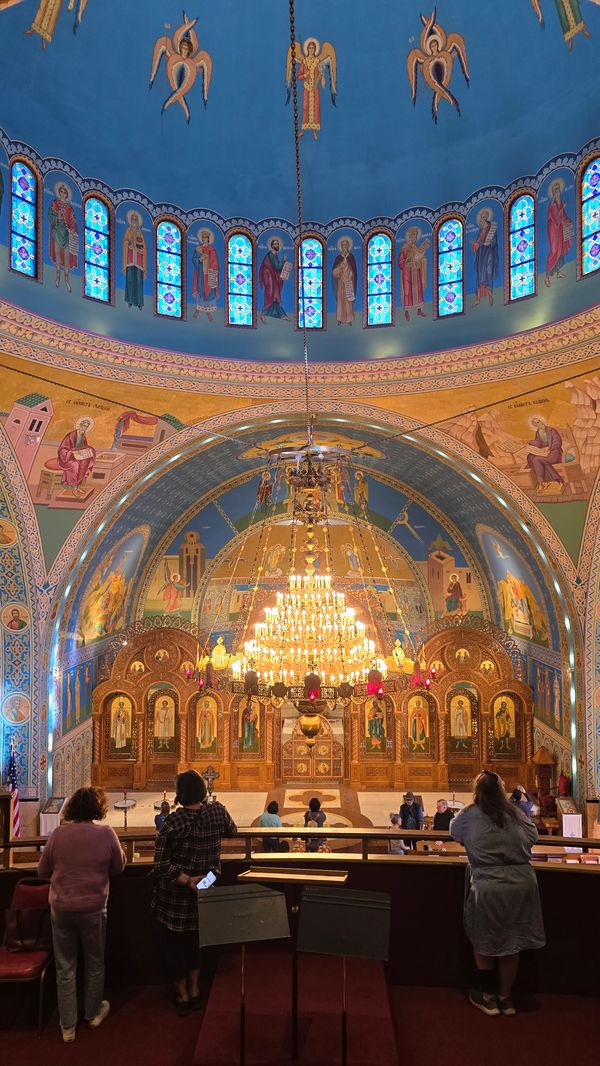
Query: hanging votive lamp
(251, 682)
(312, 686)
(374, 682)
(279, 690)
(345, 690)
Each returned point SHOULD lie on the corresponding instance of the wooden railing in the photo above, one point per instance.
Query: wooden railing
(353, 845)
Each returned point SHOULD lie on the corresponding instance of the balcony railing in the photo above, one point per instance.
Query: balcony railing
(347, 845)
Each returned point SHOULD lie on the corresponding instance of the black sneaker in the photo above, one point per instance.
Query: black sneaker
(488, 1004)
(182, 1006)
(506, 1006)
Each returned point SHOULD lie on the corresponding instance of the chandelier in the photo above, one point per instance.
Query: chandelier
(310, 627)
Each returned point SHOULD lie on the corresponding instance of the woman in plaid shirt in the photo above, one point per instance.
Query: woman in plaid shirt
(187, 847)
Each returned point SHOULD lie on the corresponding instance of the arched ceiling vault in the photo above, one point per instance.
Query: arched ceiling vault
(195, 463)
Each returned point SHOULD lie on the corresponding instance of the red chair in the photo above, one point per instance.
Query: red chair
(25, 966)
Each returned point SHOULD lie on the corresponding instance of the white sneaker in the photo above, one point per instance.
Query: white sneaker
(101, 1015)
(68, 1035)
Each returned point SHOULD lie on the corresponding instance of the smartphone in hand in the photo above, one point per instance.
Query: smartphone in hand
(207, 881)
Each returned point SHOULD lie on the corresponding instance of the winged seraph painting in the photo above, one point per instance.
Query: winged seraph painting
(435, 57)
(184, 61)
(313, 59)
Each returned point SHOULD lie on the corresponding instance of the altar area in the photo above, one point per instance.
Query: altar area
(343, 807)
(155, 714)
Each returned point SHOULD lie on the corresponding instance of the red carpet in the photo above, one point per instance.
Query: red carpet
(438, 1027)
(268, 1024)
(434, 1027)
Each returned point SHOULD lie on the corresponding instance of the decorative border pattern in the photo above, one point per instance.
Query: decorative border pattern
(590, 556)
(559, 344)
(31, 743)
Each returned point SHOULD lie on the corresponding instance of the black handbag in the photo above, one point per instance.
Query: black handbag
(27, 929)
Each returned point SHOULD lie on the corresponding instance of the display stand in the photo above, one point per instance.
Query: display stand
(241, 914)
(50, 814)
(344, 922)
(125, 805)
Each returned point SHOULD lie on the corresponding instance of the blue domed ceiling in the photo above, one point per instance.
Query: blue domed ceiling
(458, 104)
(85, 98)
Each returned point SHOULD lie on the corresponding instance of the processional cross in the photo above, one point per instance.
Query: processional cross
(210, 775)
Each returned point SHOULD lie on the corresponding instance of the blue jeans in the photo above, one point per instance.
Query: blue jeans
(69, 930)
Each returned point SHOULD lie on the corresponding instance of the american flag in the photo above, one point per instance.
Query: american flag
(11, 777)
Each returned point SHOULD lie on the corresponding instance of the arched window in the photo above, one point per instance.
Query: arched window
(240, 280)
(450, 267)
(169, 269)
(311, 292)
(97, 243)
(521, 247)
(590, 218)
(379, 280)
(24, 219)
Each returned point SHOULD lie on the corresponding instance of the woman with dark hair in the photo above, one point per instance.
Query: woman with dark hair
(270, 820)
(502, 911)
(188, 846)
(79, 858)
(165, 810)
(315, 818)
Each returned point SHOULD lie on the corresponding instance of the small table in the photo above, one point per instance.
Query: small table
(124, 805)
(551, 825)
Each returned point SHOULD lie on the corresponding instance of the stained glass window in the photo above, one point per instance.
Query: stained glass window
(97, 250)
(379, 280)
(522, 247)
(310, 284)
(450, 281)
(590, 218)
(240, 285)
(169, 291)
(23, 220)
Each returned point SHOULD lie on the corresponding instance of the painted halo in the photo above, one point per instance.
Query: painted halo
(202, 231)
(311, 40)
(63, 185)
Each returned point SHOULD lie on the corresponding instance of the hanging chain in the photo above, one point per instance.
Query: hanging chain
(299, 266)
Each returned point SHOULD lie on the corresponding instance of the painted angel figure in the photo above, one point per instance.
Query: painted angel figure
(569, 15)
(184, 61)
(436, 59)
(172, 589)
(539, 14)
(312, 59)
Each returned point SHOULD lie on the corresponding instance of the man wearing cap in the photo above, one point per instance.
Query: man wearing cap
(412, 816)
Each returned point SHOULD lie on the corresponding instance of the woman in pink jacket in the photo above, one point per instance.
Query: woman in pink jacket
(80, 857)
